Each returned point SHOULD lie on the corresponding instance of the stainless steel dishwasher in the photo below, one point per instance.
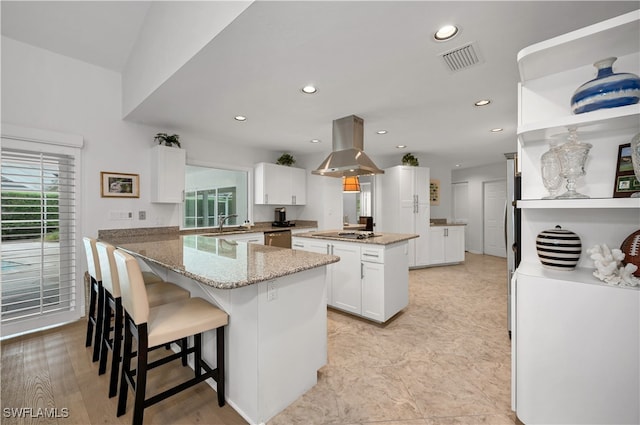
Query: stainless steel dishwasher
(280, 238)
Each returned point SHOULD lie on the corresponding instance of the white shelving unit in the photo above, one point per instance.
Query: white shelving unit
(550, 306)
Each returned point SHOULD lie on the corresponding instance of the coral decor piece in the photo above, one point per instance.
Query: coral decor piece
(609, 267)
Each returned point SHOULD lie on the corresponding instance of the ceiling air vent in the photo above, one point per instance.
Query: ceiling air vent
(462, 57)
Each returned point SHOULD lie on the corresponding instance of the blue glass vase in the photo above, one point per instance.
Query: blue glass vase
(607, 90)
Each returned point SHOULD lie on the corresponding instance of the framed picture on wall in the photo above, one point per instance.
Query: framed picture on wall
(434, 192)
(119, 185)
(626, 183)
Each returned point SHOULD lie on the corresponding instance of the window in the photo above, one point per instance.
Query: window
(39, 283)
(211, 193)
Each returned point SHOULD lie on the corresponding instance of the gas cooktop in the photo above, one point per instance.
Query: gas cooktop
(350, 235)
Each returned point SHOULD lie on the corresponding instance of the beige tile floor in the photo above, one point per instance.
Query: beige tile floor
(444, 360)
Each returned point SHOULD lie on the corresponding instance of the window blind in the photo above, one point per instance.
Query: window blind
(38, 203)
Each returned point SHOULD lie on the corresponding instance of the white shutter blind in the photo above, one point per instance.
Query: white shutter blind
(38, 238)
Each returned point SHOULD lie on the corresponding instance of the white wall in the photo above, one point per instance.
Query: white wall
(44, 90)
(475, 177)
(159, 51)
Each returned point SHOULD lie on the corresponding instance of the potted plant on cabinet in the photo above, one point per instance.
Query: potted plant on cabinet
(409, 159)
(164, 138)
(286, 159)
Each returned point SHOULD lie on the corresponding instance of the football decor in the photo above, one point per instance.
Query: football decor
(631, 249)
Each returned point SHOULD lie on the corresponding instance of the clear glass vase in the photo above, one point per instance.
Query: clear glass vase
(573, 155)
(550, 170)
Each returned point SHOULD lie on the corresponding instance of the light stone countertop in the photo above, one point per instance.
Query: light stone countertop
(380, 239)
(218, 262)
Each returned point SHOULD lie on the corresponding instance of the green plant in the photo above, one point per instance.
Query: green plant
(161, 138)
(409, 159)
(286, 159)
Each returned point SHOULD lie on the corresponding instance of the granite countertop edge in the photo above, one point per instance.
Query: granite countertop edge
(299, 265)
(381, 239)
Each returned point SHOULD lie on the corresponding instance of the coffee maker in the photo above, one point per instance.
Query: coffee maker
(280, 218)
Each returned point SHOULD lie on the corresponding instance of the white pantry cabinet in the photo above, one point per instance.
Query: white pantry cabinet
(406, 208)
(280, 185)
(575, 340)
(446, 244)
(167, 174)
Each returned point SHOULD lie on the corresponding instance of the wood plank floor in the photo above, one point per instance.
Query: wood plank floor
(53, 370)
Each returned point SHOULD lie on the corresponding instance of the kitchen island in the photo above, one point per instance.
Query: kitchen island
(372, 278)
(276, 339)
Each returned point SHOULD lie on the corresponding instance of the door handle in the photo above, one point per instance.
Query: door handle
(361, 270)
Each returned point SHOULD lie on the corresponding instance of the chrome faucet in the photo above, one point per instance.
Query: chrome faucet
(223, 218)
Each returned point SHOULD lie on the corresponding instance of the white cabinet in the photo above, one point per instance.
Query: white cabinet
(406, 209)
(167, 174)
(577, 349)
(556, 312)
(279, 185)
(346, 285)
(371, 281)
(446, 244)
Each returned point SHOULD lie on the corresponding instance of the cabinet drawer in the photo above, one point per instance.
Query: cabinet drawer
(372, 255)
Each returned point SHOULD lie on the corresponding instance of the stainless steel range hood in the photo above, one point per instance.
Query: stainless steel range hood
(348, 157)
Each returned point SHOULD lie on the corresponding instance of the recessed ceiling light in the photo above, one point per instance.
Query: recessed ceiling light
(309, 89)
(315, 140)
(483, 102)
(496, 130)
(401, 146)
(240, 118)
(381, 131)
(457, 165)
(447, 32)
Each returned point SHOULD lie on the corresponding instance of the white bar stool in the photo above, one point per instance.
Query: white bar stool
(157, 326)
(94, 318)
(159, 292)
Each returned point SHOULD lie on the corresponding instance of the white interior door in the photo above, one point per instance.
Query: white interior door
(495, 198)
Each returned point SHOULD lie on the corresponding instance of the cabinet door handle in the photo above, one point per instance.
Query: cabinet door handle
(364, 254)
(293, 199)
(298, 245)
(266, 198)
(361, 270)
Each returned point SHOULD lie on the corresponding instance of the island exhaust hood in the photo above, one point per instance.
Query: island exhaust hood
(348, 157)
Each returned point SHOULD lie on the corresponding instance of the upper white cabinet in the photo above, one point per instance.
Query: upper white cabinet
(406, 208)
(556, 311)
(167, 174)
(280, 185)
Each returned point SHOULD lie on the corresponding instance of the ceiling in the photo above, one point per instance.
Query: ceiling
(377, 60)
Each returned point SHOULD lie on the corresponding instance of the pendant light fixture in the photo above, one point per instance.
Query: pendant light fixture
(351, 184)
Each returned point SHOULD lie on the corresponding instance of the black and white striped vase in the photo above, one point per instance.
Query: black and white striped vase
(558, 249)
